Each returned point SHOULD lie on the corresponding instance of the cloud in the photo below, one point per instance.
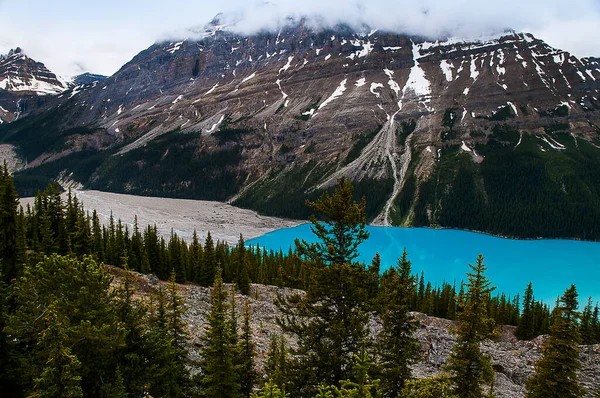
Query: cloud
(67, 35)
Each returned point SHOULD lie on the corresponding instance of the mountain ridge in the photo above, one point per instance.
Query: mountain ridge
(271, 119)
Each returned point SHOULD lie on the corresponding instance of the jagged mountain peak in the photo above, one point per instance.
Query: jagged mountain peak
(21, 74)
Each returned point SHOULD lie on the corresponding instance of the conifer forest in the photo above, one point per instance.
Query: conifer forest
(67, 330)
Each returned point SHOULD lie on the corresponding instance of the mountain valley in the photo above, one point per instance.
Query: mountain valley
(498, 134)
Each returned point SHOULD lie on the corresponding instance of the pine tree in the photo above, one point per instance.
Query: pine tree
(343, 227)
(431, 387)
(362, 384)
(525, 329)
(556, 371)
(59, 375)
(247, 352)
(397, 346)
(587, 329)
(329, 321)
(8, 225)
(468, 366)
(77, 292)
(177, 333)
(241, 268)
(276, 364)
(207, 272)
(220, 375)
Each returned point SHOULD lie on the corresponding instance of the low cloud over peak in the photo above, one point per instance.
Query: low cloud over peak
(68, 34)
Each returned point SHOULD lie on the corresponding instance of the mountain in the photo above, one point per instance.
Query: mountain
(86, 78)
(19, 73)
(498, 134)
(24, 83)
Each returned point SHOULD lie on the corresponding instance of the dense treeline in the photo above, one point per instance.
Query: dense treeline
(516, 190)
(65, 332)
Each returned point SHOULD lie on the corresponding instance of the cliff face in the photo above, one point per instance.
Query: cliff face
(271, 119)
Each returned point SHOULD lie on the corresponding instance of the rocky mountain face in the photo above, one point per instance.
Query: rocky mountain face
(22, 81)
(463, 133)
(86, 79)
(513, 360)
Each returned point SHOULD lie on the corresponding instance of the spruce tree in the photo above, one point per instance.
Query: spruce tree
(525, 329)
(330, 320)
(468, 366)
(556, 371)
(8, 225)
(397, 346)
(220, 376)
(247, 352)
(277, 360)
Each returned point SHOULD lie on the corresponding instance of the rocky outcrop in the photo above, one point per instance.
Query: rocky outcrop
(513, 359)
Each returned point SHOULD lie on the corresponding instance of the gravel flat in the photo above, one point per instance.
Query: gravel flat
(225, 222)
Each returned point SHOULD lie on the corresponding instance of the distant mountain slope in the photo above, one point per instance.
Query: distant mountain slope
(499, 134)
(86, 78)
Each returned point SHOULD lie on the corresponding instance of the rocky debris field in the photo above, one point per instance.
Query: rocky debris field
(513, 359)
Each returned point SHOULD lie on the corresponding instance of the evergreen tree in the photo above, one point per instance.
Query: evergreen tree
(241, 268)
(84, 320)
(8, 225)
(361, 385)
(556, 371)
(398, 348)
(329, 321)
(432, 387)
(587, 328)
(207, 272)
(220, 374)
(343, 227)
(166, 366)
(247, 352)
(525, 329)
(276, 364)
(270, 390)
(59, 374)
(468, 366)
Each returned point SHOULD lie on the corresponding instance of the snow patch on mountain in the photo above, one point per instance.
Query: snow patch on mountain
(336, 94)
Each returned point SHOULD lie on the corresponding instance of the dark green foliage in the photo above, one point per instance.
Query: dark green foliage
(66, 314)
(277, 360)
(8, 226)
(230, 135)
(40, 133)
(556, 371)
(150, 170)
(450, 118)
(220, 378)
(469, 368)
(247, 352)
(329, 322)
(81, 164)
(342, 229)
(520, 192)
(432, 387)
(397, 346)
(526, 328)
(282, 194)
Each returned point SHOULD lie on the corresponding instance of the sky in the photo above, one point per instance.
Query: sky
(73, 37)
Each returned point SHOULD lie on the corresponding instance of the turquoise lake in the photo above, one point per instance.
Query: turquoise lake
(444, 255)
